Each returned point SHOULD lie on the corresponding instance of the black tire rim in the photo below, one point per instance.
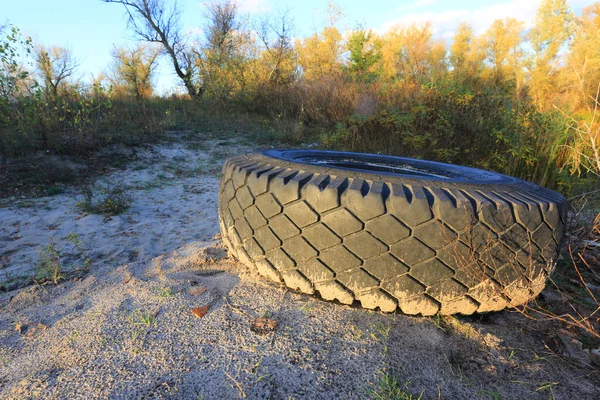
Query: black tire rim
(391, 165)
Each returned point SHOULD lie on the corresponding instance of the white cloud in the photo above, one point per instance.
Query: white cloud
(254, 6)
(444, 23)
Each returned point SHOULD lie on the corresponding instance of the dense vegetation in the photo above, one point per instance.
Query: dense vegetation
(519, 101)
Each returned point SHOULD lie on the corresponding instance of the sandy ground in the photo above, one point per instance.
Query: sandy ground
(174, 201)
(126, 329)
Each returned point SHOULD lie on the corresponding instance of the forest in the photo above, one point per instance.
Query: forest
(518, 99)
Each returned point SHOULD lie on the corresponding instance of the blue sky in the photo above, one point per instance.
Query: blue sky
(91, 28)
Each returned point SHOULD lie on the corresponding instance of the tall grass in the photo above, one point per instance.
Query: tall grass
(480, 125)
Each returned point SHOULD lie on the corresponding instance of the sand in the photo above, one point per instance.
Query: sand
(126, 328)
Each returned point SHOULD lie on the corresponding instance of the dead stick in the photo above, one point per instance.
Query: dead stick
(242, 394)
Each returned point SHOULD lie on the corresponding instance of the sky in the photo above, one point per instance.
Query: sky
(91, 28)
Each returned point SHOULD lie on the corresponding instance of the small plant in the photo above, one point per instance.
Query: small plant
(53, 191)
(142, 317)
(387, 387)
(166, 291)
(109, 201)
(50, 265)
(357, 333)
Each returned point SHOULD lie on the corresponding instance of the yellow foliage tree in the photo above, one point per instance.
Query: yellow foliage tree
(320, 54)
(467, 54)
(504, 51)
(553, 27)
(56, 66)
(132, 71)
(409, 53)
(582, 72)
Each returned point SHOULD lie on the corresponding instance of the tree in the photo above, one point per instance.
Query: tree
(503, 44)
(133, 70)
(319, 55)
(466, 54)
(409, 53)
(222, 57)
(154, 22)
(364, 55)
(13, 75)
(583, 61)
(279, 55)
(553, 28)
(55, 66)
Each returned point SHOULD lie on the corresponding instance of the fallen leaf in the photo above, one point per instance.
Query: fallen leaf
(200, 311)
(196, 290)
(21, 328)
(263, 326)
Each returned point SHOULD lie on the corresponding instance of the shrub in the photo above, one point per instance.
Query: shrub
(105, 200)
(51, 260)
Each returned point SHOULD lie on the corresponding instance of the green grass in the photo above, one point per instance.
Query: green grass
(142, 317)
(388, 387)
(53, 191)
(166, 291)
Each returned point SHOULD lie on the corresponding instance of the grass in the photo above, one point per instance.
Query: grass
(106, 200)
(388, 387)
(51, 266)
(142, 317)
(357, 333)
(166, 291)
(54, 190)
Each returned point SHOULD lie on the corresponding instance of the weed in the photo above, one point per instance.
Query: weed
(387, 387)
(308, 308)
(384, 330)
(25, 204)
(166, 291)
(438, 322)
(53, 191)
(118, 163)
(549, 386)
(357, 333)
(109, 201)
(50, 265)
(196, 146)
(142, 317)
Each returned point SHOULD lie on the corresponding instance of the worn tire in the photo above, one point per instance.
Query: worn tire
(390, 232)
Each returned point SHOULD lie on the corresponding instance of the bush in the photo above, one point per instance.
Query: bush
(108, 200)
(51, 260)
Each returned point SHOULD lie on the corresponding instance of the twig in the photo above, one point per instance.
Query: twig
(242, 394)
(37, 283)
(236, 309)
(584, 194)
(579, 274)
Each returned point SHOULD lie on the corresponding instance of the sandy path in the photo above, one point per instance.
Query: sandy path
(173, 203)
(97, 341)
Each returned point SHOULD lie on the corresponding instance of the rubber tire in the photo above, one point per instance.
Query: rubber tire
(475, 242)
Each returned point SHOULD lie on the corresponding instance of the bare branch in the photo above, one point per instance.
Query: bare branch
(153, 21)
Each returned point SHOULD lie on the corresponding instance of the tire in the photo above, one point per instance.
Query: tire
(391, 232)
